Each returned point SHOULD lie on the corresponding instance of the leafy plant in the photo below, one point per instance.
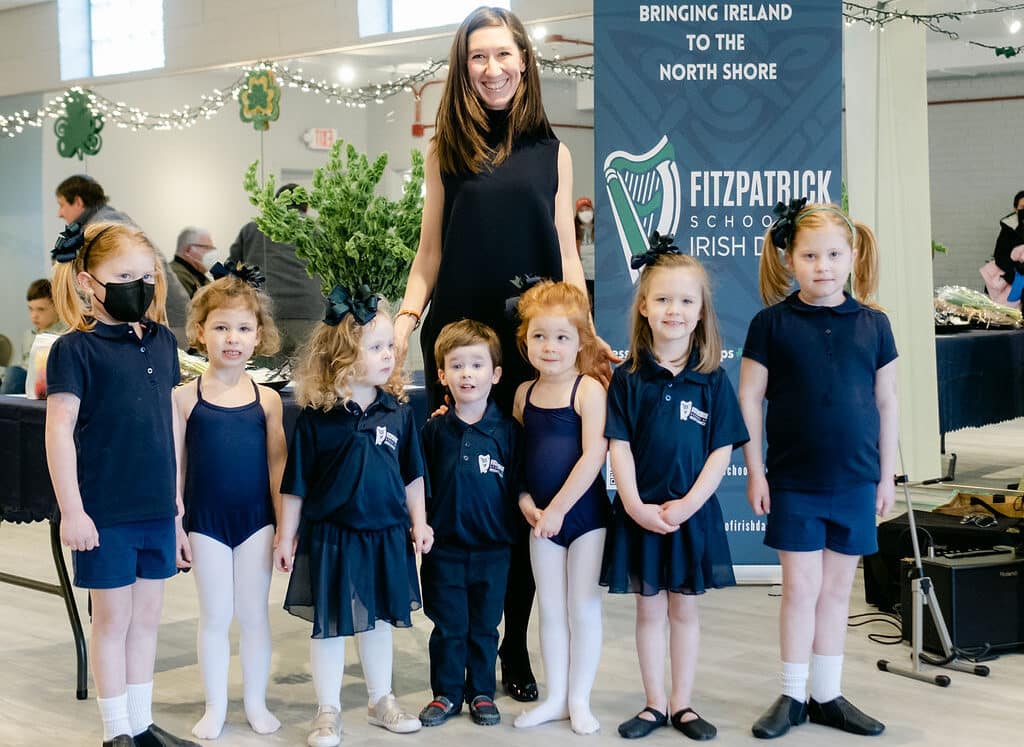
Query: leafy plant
(357, 237)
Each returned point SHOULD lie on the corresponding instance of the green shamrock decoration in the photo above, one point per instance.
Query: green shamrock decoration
(78, 131)
(260, 99)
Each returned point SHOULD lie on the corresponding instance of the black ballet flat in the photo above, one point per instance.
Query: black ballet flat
(784, 713)
(638, 728)
(839, 713)
(523, 689)
(121, 740)
(696, 728)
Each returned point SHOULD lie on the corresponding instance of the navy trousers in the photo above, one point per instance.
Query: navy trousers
(463, 595)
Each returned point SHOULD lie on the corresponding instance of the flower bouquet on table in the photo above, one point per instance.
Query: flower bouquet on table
(356, 237)
(956, 305)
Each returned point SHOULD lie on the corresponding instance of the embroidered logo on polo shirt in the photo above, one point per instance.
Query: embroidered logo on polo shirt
(386, 438)
(487, 463)
(688, 412)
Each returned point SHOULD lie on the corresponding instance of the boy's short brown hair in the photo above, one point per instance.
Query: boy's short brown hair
(464, 333)
(38, 289)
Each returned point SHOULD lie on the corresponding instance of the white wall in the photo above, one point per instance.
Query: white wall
(975, 156)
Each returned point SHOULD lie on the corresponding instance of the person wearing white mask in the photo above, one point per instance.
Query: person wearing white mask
(585, 241)
(193, 258)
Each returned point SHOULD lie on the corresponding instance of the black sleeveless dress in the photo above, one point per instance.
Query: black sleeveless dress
(496, 225)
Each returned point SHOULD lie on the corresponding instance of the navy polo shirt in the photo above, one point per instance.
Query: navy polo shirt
(350, 466)
(124, 435)
(822, 423)
(672, 423)
(475, 477)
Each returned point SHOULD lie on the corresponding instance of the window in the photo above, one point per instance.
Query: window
(395, 16)
(108, 37)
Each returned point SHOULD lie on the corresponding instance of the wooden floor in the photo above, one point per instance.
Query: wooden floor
(736, 680)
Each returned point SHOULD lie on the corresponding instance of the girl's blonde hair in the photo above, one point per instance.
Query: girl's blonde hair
(462, 125)
(102, 242)
(232, 291)
(329, 361)
(549, 298)
(705, 335)
(776, 279)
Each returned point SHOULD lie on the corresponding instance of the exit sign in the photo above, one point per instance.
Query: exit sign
(320, 138)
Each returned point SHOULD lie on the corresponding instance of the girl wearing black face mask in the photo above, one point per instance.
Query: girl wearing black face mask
(108, 409)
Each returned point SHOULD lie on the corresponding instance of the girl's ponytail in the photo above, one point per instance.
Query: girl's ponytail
(774, 278)
(66, 297)
(865, 266)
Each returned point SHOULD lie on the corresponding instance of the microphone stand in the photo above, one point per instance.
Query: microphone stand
(922, 594)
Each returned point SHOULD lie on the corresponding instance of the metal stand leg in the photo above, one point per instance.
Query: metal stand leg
(68, 593)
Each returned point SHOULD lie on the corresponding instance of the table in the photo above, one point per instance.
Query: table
(980, 378)
(26, 494)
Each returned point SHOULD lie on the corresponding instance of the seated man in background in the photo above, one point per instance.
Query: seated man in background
(194, 255)
(44, 318)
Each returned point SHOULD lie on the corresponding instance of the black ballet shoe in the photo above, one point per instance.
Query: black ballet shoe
(839, 713)
(638, 727)
(121, 740)
(696, 728)
(784, 713)
(154, 736)
(521, 688)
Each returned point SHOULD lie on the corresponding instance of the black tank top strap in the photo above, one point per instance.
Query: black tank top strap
(575, 386)
(530, 391)
(256, 388)
(199, 389)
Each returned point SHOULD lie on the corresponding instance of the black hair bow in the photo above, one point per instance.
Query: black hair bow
(521, 283)
(659, 245)
(71, 239)
(249, 274)
(362, 305)
(785, 221)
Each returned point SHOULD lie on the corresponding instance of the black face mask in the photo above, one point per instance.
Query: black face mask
(127, 302)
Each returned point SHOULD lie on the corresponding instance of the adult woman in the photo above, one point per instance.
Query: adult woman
(498, 205)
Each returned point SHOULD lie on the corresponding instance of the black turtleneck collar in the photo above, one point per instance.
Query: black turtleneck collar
(497, 126)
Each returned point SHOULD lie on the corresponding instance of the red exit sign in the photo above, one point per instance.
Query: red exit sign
(320, 138)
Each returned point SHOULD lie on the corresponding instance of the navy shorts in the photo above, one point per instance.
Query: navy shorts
(138, 549)
(841, 520)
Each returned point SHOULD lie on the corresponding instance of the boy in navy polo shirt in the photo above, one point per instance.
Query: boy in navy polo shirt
(473, 457)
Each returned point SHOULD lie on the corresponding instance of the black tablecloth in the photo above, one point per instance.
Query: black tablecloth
(25, 490)
(980, 377)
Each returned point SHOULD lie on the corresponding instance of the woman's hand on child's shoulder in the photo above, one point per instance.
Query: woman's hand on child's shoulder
(547, 523)
(757, 494)
(78, 532)
(422, 538)
(649, 517)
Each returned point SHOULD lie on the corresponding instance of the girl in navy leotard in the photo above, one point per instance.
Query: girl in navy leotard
(233, 453)
(562, 412)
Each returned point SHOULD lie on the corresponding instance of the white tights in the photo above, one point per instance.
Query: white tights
(327, 661)
(569, 602)
(234, 583)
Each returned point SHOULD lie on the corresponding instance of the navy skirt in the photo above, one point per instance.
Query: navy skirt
(690, 560)
(344, 580)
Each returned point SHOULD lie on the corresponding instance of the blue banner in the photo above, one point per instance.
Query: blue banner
(706, 115)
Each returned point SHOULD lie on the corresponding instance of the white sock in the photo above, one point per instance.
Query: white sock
(376, 653)
(584, 571)
(212, 569)
(550, 571)
(253, 567)
(826, 674)
(140, 706)
(794, 680)
(327, 662)
(114, 712)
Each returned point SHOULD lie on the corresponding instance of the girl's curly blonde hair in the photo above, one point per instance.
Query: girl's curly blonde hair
(329, 361)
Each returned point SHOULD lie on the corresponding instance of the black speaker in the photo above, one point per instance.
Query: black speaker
(981, 598)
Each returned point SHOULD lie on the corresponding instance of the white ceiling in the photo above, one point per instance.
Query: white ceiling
(8, 4)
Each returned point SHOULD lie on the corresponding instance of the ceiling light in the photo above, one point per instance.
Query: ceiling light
(346, 74)
(1014, 26)
(539, 33)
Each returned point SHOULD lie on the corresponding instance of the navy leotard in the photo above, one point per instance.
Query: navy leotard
(553, 444)
(227, 480)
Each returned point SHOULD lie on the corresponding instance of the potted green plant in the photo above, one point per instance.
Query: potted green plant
(356, 237)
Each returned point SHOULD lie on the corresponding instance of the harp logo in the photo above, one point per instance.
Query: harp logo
(645, 196)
